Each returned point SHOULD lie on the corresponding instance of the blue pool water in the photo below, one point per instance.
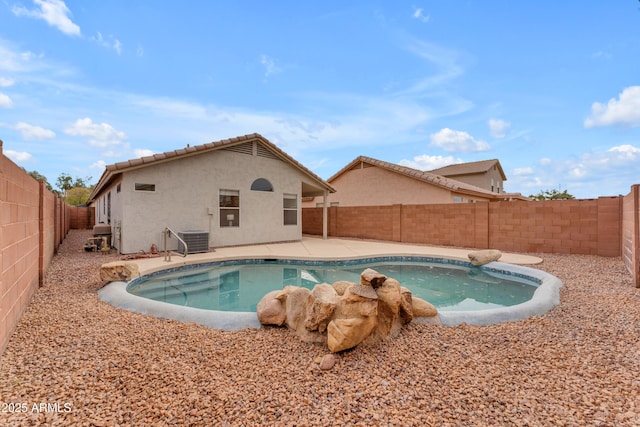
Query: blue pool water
(239, 285)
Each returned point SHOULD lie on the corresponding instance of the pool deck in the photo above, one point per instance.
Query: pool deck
(317, 248)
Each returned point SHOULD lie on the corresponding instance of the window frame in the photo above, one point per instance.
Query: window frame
(228, 208)
(287, 210)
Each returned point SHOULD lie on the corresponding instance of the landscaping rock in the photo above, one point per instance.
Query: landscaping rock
(119, 271)
(478, 258)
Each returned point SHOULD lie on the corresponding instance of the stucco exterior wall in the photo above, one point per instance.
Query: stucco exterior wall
(186, 197)
(374, 186)
(484, 180)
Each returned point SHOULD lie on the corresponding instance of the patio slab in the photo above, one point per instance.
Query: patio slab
(317, 248)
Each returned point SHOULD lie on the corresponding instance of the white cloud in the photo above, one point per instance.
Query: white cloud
(5, 101)
(498, 128)
(54, 12)
(601, 55)
(427, 163)
(31, 132)
(140, 51)
(6, 82)
(270, 66)
(622, 111)
(522, 171)
(545, 161)
(418, 14)
(100, 164)
(142, 152)
(112, 43)
(100, 135)
(17, 156)
(454, 140)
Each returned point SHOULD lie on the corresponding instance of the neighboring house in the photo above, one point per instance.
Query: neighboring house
(370, 182)
(242, 190)
(487, 174)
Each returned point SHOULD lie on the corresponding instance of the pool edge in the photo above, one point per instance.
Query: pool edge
(546, 296)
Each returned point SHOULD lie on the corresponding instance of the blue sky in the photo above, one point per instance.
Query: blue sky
(550, 88)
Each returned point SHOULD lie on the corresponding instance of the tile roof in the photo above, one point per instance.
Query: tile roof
(470, 168)
(428, 177)
(116, 168)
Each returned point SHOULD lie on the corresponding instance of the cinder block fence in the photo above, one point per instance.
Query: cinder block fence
(33, 223)
(606, 226)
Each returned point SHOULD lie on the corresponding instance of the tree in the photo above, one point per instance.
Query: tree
(74, 192)
(552, 195)
(39, 177)
(77, 196)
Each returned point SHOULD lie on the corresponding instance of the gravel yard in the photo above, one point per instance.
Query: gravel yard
(75, 360)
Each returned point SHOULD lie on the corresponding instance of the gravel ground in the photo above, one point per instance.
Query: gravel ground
(74, 360)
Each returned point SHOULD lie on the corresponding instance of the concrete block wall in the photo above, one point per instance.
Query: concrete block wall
(33, 223)
(592, 226)
(19, 244)
(631, 233)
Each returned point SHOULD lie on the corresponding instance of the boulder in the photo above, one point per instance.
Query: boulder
(296, 309)
(271, 309)
(422, 308)
(344, 314)
(355, 318)
(406, 305)
(372, 278)
(341, 286)
(389, 302)
(118, 271)
(483, 257)
(321, 307)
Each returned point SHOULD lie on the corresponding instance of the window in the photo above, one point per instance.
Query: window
(290, 205)
(261, 184)
(118, 188)
(457, 199)
(229, 208)
(145, 187)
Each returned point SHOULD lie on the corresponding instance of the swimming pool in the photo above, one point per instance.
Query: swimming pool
(478, 306)
(239, 285)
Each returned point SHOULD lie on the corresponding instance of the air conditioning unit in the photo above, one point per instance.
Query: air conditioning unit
(197, 241)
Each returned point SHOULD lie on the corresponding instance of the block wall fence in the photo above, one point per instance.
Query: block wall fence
(607, 226)
(33, 224)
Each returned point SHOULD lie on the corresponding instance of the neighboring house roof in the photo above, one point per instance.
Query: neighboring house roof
(427, 177)
(115, 170)
(470, 168)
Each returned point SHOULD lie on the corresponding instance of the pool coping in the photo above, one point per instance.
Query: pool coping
(546, 296)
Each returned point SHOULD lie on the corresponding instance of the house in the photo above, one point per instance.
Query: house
(371, 182)
(237, 191)
(487, 174)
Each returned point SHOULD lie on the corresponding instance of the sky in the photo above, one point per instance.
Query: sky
(549, 88)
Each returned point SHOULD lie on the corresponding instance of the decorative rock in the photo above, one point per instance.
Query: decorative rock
(389, 301)
(341, 286)
(344, 314)
(422, 308)
(118, 271)
(406, 305)
(328, 362)
(321, 307)
(271, 308)
(356, 318)
(371, 277)
(363, 291)
(483, 257)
